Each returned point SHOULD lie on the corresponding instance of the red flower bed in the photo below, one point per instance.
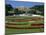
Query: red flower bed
(37, 25)
(25, 20)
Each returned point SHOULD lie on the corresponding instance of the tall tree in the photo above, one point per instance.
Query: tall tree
(8, 7)
(39, 8)
(16, 11)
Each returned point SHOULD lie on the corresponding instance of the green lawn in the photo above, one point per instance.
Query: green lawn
(10, 19)
(16, 31)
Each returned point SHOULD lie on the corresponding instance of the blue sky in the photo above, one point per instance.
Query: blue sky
(21, 3)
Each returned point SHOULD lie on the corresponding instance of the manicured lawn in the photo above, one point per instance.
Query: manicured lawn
(15, 31)
(11, 19)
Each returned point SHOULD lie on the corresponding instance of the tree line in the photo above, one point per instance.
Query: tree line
(9, 7)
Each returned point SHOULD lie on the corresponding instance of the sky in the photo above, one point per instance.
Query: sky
(21, 3)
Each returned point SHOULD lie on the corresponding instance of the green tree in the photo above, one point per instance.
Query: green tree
(39, 8)
(8, 7)
(16, 10)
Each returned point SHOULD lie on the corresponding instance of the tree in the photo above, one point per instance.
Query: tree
(8, 7)
(16, 11)
(39, 8)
